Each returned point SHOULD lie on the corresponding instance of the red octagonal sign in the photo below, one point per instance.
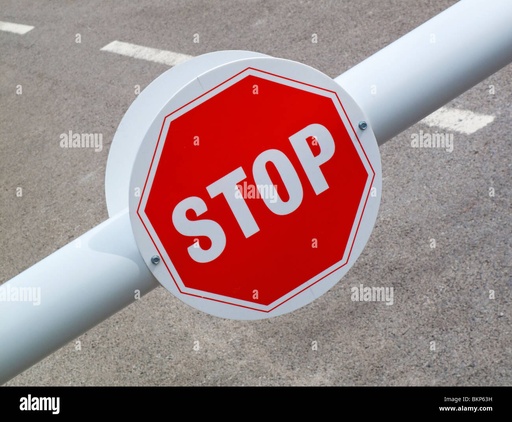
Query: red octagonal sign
(256, 189)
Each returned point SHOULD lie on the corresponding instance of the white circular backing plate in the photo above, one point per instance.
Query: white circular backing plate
(197, 85)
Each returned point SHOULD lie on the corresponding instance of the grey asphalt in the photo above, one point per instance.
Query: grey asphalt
(450, 323)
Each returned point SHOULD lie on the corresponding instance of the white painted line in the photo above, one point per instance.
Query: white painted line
(463, 121)
(16, 28)
(146, 53)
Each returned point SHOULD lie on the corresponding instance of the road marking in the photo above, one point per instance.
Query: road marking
(16, 28)
(463, 121)
(146, 53)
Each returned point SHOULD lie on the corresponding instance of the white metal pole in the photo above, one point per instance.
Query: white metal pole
(102, 271)
(433, 64)
(69, 292)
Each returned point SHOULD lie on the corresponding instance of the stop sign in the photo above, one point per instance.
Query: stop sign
(255, 190)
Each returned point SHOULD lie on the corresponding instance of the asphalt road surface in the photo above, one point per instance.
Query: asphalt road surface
(442, 239)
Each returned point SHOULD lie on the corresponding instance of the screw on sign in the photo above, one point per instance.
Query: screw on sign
(255, 190)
